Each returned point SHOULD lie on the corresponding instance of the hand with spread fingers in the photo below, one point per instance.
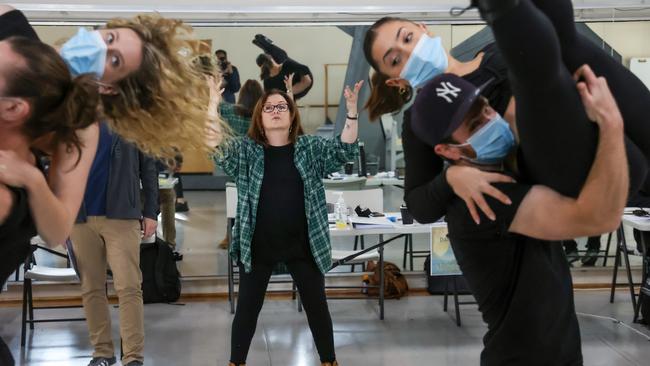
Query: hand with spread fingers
(471, 184)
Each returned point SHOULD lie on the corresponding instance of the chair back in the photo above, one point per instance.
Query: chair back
(231, 202)
(347, 184)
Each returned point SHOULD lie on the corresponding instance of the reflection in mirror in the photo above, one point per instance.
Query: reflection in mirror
(200, 218)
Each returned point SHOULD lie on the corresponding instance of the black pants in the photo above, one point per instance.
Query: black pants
(252, 288)
(178, 188)
(6, 359)
(542, 49)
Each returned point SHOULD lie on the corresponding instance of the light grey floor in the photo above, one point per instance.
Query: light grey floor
(416, 332)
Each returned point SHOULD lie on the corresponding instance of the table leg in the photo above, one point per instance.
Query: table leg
(381, 278)
(617, 262)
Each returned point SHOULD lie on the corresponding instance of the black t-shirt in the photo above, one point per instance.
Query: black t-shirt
(281, 232)
(428, 198)
(288, 67)
(523, 287)
(14, 23)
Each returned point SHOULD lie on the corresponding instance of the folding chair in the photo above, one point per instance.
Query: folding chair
(35, 272)
(456, 293)
(359, 257)
(621, 251)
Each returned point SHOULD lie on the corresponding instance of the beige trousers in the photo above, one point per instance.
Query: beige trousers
(116, 243)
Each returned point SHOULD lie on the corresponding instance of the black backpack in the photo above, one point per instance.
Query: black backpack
(160, 277)
(436, 284)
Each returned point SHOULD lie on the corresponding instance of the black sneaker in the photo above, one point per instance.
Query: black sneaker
(134, 363)
(182, 207)
(590, 258)
(102, 361)
(278, 54)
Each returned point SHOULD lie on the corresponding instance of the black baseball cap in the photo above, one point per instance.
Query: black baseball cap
(441, 105)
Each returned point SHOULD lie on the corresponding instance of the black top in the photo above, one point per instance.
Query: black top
(288, 67)
(522, 285)
(15, 235)
(281, 232)
(14, 23)
(426, 192)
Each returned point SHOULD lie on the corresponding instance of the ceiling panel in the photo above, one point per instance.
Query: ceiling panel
(205, 12)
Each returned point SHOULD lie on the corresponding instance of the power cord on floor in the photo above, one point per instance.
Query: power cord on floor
(616, 321)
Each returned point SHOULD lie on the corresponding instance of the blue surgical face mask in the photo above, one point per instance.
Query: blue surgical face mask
(427, 60)
(492, 143)
(85, 53)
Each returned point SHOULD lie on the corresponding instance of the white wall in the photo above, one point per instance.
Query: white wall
(312, 46)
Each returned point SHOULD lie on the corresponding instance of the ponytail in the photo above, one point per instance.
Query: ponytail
(264, 62)
(385, 99)
(78, 110)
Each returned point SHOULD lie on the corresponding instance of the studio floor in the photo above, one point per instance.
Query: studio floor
(416, 331)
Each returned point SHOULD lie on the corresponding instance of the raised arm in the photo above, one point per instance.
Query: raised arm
(333, 153)
(214, 133)
(545, 214)
(350, 132)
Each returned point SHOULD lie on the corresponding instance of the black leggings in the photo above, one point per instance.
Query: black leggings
(252, 288)
(558, 142)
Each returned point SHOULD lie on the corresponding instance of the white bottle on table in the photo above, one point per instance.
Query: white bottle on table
(341, 212)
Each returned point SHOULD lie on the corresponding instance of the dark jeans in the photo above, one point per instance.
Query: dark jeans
(252, 288)
(542, 50)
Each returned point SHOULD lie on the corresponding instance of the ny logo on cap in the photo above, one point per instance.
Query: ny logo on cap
(447, 90)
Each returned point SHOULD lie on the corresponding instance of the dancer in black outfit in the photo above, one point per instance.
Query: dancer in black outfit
(546, 106)
(427, 191)
(523, 285)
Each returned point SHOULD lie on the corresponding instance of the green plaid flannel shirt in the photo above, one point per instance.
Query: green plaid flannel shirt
(239, 124)
(315, 157)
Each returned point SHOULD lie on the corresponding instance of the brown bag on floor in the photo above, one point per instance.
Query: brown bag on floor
(395, 285)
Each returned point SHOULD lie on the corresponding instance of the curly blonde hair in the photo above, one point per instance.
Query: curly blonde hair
(161, 107)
